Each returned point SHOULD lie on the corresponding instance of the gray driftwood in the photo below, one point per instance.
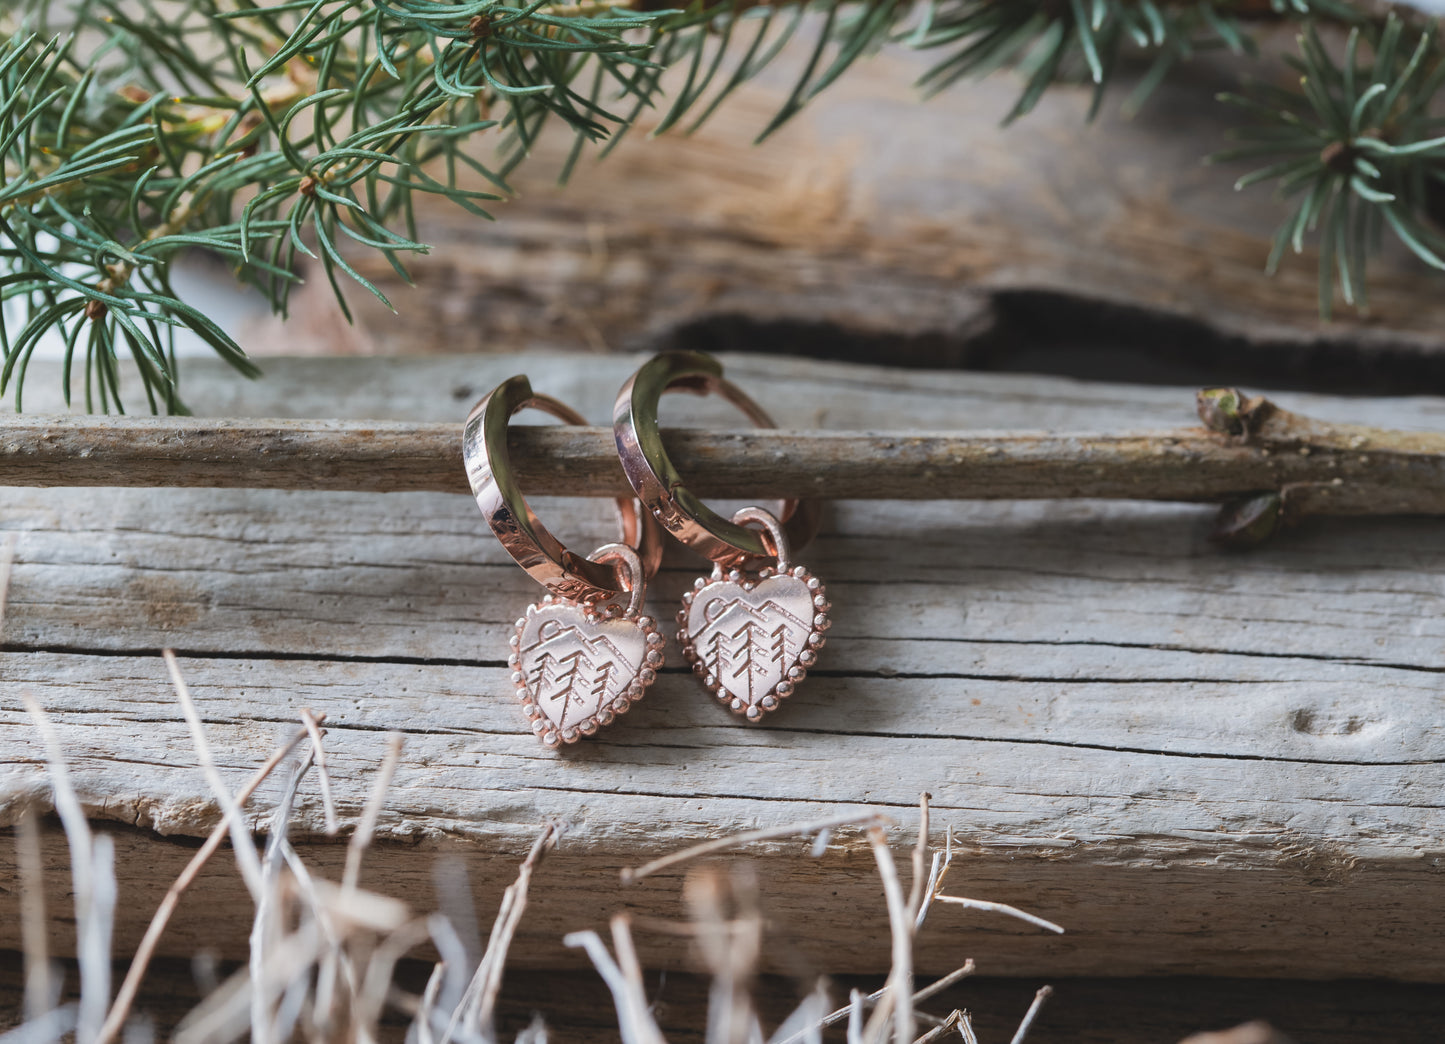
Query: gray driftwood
(1323, 468)
(1197, 762)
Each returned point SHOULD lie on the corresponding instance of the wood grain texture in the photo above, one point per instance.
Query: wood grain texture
(1337, 469)
(1197, 762)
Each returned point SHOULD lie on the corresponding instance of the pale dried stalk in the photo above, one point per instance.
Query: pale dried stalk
(952, 1023)
(722, 844)
(937, 872)
(807, 1020)
(425, 1010)
(34, 944)
(916, 893)
(141, 961)
(1255, 1032)
(379, 972)
(855, 1017)
(730, 947)
(835, 1017)
(366, 826)
(957, 975)
(631, 970)
(965, 1029)
(898, 998)
(313, 727)
(1003, 908)
(266, 924)
(351, 874)
(245, 849)
(50, 1028)
(92, 938)
(634, 1016)
(476, 1009)
(1045, 992)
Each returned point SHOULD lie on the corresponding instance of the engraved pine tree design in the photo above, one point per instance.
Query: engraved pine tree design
(599, 688)
(573, 674)
(566, 683)
(781, 653)
(751, 655)
(748, 645)
(542, 672)
(713, 654)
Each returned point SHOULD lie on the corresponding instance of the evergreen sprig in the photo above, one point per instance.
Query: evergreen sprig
(132, 131)
(1356, 148)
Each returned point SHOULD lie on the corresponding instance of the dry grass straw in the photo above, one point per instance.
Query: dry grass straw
(323, 955)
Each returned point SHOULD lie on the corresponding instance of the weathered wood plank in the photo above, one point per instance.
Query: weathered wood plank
(1195, 761)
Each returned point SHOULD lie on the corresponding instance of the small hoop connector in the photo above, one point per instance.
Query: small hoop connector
(774, 531)
(627, 564)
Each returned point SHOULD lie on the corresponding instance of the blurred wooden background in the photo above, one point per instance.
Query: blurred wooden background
(1274, 800)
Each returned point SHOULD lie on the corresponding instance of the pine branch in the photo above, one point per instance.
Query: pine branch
(1357, 149)
(133, 131)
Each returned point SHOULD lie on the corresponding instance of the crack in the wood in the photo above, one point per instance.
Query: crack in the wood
(453, 661)
(725, 734)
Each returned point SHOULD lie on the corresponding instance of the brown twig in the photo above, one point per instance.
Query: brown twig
(631, 875)
(1318, 468)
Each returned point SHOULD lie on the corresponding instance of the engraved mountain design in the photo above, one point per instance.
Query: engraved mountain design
(748, 640)
(574, 668)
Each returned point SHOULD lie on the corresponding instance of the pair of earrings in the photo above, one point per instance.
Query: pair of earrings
(580, 656)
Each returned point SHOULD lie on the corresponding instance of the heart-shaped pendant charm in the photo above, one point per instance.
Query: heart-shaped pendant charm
(576, 666)
(752, 637)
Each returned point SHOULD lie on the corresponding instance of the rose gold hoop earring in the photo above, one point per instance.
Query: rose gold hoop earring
(578, 657)
(751, 630)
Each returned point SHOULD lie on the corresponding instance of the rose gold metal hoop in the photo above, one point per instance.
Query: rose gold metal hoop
(656, 480)
(563, 572)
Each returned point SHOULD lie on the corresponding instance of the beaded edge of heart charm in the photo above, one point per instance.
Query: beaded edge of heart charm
(714, 663)
(531, 691)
